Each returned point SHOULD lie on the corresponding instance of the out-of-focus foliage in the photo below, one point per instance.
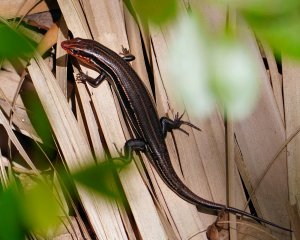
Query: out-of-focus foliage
(37, 210)
(156, 11)
(13, 43)
(99, 178)
(259, 8)
(38, 117)
(12, 225)
(275, 22)
(21, 213)
(212, 70)
(40, 208)
(234, 76)
(188, 66)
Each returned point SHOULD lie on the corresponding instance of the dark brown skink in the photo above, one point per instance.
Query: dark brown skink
(141, 113)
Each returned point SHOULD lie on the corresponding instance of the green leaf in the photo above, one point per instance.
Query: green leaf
(99, 178)
(282, 33)
(276, 22)
(40, 208)
(11, 221)
(37, 115)
(13, 43)
(267, 8)
(156, 11)
(35, 210)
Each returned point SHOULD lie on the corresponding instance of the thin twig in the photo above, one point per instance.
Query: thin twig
(251, 226)
(29, 10)
(283, 146)
(194, 235)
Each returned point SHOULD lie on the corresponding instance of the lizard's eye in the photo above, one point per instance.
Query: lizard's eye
(75, 51)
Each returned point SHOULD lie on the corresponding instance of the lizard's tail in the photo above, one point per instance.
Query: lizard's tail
(243, 213)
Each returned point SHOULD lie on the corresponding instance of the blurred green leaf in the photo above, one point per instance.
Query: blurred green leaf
(156, 11)
(267, 8)
(11, 220)
(276, 22)
(40, 208)
(99, 178)
(282, 33)
(13, 43)
(37, 115)
(35, 210)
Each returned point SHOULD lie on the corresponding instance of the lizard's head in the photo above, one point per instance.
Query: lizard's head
(79, 48)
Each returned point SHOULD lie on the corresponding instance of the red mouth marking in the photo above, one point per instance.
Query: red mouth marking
(66, 46)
